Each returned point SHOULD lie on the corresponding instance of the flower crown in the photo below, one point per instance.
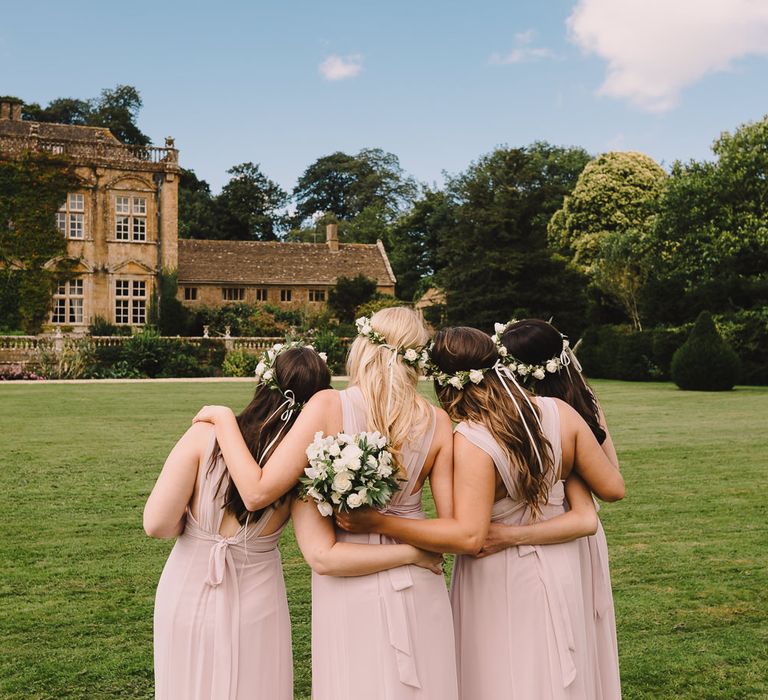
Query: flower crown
(414, 357)
(265, 370)
(523, 369)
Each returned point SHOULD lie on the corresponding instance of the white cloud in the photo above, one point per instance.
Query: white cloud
(523, 52)
(655, 48)
(341, 67)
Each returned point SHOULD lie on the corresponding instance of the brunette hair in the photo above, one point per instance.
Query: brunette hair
(389, 386)
(534, 341)
(487, 403)
(299, 370)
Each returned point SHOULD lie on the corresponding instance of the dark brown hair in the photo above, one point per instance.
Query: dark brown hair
(488, 404)
(534, 341)
(299, 370)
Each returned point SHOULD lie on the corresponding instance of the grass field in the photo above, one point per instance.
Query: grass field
(77, 574)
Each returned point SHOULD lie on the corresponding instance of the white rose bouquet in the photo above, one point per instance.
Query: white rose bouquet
(349, 471)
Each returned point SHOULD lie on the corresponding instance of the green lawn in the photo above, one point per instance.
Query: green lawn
(77, 574)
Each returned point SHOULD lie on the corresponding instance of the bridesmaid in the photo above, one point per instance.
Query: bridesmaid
(518, 614)
(386, 636)
(222, 630)
(538, 344)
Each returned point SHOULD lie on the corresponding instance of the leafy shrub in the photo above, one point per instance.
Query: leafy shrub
(242, 319)
(75, 360)
(747, 333)
(380, 301)
(348, 294)
(335, 350)
(705, 361)
(239, 363)
(101, 327)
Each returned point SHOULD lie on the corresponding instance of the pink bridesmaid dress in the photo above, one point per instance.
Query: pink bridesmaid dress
(519, 614)
(601, 618)
(222, 630)
(385, 636)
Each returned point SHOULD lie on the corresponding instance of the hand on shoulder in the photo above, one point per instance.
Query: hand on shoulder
(212, 414)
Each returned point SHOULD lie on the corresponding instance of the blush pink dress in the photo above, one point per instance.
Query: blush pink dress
(222, 630)
(385, 636)
(601, 619)
(519, 614)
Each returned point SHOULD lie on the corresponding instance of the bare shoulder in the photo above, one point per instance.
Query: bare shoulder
(323, 400)
(442, 421)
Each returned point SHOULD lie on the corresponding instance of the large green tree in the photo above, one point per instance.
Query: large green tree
(32, 249)
(250, 206)
(347, 185)
(494, 258)
(712, 231)
(116, 109)
(616, 192)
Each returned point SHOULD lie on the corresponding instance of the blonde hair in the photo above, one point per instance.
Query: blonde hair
(389, 386)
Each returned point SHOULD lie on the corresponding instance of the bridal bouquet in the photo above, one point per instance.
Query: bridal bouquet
(349, 471)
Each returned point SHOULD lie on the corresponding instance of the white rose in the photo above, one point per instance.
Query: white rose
(342, 482)
(383, 470)
(269, 374)
(323, 356)
(336, 498)
(512, 367)
(351, 453)
(503, 351)
(521, 370)
(325, 508)
(371, 462)
(475, 376)
(314, 493)
(277, 348)
(334, 450)
(538, 373)
(552, 366)
(411, 355)
(355, 500)
(499, 328)
(455, 382)
(260, 367)
(312, 473)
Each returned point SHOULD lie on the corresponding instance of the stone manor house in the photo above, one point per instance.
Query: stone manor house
(122, 226)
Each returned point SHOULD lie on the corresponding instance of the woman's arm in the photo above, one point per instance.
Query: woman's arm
(259, 486)
(579, 521)
(583, 452)
(608, 446)
(474, 479)
(167, 504)
(327, 557)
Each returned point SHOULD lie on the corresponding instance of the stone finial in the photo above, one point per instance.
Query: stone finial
(206, 332)
(170, 142)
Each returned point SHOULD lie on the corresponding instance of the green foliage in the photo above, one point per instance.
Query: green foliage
(380, 301)
(705, 362)
(493, 256)
(101, 327)
(335, 350)
(250, 205)
(348, 294)
(198, 214)
(615, 193)
(346, 185)
(167, 313)
(75, 360)
(747, 333)
(32, 250)
(116, 109)
(242, 319)
(239, 363)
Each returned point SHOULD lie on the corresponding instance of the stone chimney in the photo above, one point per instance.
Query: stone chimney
(10, 109)
(332, 237)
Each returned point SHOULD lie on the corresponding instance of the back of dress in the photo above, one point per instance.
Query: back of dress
(221, 627)
(518, 614)
(393, 629)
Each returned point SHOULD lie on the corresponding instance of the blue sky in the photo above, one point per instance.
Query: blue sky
(437, 83)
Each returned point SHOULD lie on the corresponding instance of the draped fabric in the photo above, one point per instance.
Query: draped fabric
(386, 636)
(519, 614)
(222, 630)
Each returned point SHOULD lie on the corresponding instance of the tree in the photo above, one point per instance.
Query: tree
(616, 192)
(116, 109)
(413, 242)
(348, 294)
(32, 249)
(345, 185)
(705, 362)
(250, 205)
(493, 254)
(197, 207)
(712, 231)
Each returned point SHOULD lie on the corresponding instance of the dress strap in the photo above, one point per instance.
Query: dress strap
(479, 436)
